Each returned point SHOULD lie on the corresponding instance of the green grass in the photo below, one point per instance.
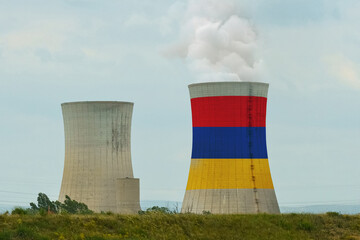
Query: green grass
(180, 226)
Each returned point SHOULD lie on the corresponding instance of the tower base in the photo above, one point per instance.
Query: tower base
(230, 201)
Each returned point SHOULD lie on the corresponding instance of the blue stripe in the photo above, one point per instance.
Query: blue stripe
(229, 142)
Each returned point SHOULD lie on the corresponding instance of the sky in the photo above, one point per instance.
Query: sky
(75, 50)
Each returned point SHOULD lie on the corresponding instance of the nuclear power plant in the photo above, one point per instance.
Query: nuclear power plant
(98, 169)
(229, 171)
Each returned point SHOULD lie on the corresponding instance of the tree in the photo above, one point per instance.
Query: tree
(157, 209)
(44, 204)
(72, 206)
(69, 206)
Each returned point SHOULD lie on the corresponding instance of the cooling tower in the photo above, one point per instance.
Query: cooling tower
(229, 171)
(98, 169)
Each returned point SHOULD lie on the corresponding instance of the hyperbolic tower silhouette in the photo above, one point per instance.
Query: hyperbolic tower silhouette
(229, 171)
(98, 169)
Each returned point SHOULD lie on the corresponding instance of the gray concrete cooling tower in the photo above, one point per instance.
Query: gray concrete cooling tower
(98, 169)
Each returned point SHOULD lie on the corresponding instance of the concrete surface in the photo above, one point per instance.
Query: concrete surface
(128, 195)
(229, 185)
(97, 152)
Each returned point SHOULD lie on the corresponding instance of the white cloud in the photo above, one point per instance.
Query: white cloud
(49, 35)
(61, 45)
(32, 44)
(217, 44)
(294, 55)
(345, 70)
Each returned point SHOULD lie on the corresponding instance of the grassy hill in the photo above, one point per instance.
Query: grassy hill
(180, 226)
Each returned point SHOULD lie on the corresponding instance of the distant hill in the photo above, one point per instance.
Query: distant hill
(172, 205)
(343, 209)
(176, 206)
(9, 207)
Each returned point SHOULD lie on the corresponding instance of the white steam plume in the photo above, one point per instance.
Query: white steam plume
(217, 43)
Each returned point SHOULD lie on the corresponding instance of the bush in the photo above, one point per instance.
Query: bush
(73, 207)
(306, 226)
(5, 235)
(44, 206)
(157, 209)
(333, 214)
(19, 211)
(25, 232)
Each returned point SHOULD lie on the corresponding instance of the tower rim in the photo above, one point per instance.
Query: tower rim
(228, 82)
(85, 102)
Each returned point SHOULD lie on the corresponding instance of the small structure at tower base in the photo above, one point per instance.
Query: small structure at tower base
(127, 195)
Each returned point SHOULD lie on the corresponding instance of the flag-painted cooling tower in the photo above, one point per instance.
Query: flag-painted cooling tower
(229, 171)
(98, 169)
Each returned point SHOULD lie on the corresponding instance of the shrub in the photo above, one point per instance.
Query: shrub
(74, 207)
(19, 211)
(5, 235)
(44, 206)
(25, 232)
(306, 226)
(158, 209)
(333, 214)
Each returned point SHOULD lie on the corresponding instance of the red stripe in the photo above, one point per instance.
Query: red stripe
(229, 111)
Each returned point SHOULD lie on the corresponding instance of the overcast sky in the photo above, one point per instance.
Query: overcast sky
(75, 50)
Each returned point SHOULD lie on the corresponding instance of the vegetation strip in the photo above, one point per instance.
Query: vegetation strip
(159, 225)
(73, 220)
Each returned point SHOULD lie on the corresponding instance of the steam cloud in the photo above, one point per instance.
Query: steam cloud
(217, 43)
